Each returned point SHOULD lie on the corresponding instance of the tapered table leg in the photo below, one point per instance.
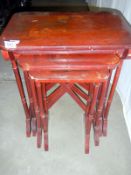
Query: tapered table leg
(98, 120)
(32, 111)
(110, 98)
(42, 115)
(39, 127)
(105, 101)
(22, 94)
(89, 117)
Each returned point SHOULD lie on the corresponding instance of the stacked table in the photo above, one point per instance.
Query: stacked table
(73, 53)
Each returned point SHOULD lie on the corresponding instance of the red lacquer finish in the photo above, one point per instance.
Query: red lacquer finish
(67, 31)
(66, 79)
(68, 61)
(73, 53)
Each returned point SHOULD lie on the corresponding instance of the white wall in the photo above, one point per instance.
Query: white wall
(124, 84)
(91, 2)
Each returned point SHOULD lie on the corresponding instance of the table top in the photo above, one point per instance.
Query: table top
(62, 31)
(69, 76)
(68, 61)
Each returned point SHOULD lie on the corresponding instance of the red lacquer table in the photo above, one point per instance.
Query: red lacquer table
(41, 41)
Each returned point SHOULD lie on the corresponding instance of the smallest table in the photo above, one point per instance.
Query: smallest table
(66, 79)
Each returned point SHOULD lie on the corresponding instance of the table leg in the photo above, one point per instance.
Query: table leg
(98, 120)
(21, 92)
(46, 115)
(110, 98)
(42, 115)
(105, 100)
(39, 128)
(89, 116)
(32, 112)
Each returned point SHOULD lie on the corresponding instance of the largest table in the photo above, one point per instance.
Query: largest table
(57, 33)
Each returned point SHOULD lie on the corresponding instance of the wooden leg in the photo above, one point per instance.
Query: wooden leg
(110, 98)
(46, 116)
(88, 122)
(34, 126)
(89, 116)
(105, 100)
(42, 115)
(32, 111)
(22, 94)
(98, 120)
(36, 107)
